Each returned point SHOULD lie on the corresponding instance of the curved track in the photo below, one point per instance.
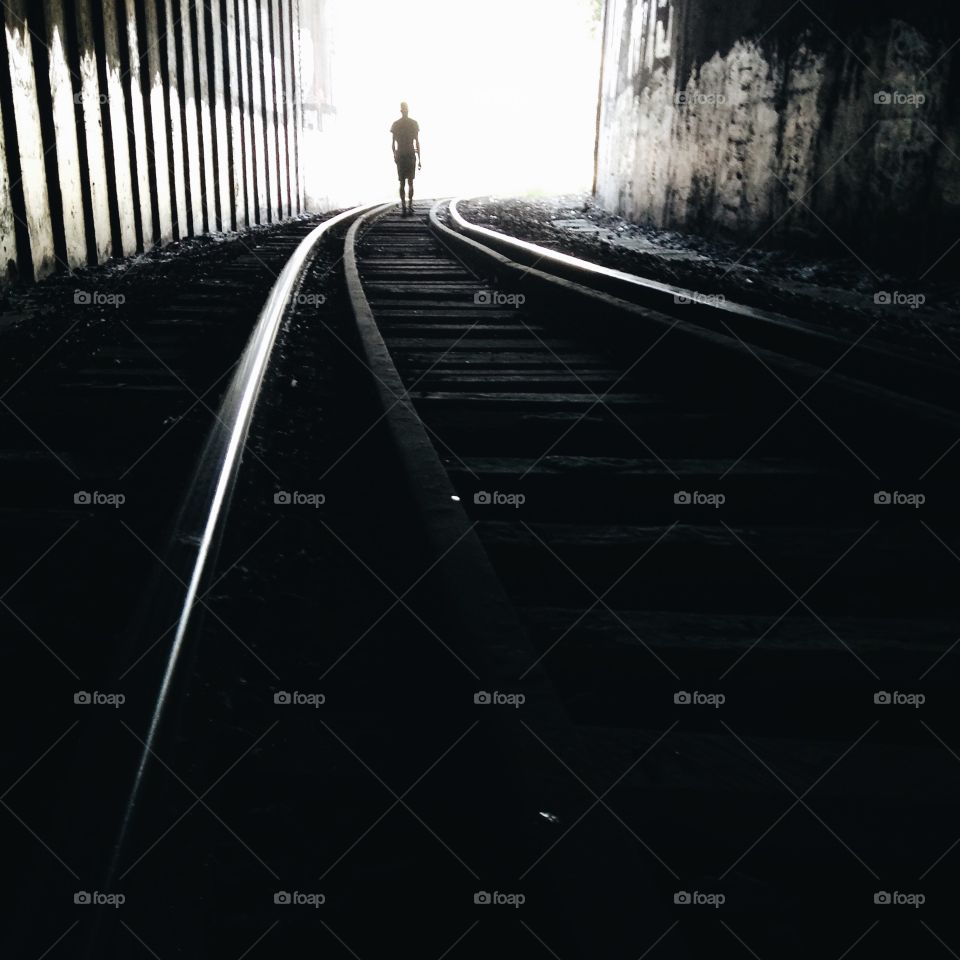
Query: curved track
(726, 538)
(879, 364)
(537, 585)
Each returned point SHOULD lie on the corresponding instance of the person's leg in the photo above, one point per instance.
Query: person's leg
(410, 191)
(403, 200)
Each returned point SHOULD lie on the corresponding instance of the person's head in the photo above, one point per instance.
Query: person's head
(404, 108)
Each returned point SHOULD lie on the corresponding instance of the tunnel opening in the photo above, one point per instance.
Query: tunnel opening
(506, 96)
(544, 564)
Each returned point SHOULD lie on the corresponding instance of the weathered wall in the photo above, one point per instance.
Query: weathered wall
(128, 123)
(774, 117)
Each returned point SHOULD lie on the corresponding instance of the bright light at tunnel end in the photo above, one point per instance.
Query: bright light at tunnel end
(505, 93)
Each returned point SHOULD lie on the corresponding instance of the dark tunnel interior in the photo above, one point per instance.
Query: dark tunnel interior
(539, 540)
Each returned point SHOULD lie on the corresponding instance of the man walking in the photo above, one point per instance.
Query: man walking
(405, 141)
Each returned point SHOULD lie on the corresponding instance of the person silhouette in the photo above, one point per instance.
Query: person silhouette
(405, 142)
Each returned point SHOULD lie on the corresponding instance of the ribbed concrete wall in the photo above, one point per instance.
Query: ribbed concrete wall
(128, 123)
(819, 120)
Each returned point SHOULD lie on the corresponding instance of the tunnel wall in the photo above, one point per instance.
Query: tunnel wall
(772, 119)
(129, 123)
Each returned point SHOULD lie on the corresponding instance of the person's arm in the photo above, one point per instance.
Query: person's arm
(417, 142)
(393, 144)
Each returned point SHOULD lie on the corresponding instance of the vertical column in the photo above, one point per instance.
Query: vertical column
(15, 237)
(168, 56)
(26, 116)
(93, 134)
(156, 106)
(286, 13)
(123, 187)
(41, 35)
(280, 111)
(183, 32)
(208, 149)
(255, 109)
(218, 105)
(137, 123)
(231, 33)
(246, 112)
(8, 227)
(269, 124)
(298, 103)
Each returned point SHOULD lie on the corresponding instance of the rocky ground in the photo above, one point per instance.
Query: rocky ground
(34, 315)
(921, 314)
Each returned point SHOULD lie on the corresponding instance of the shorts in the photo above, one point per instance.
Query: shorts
(406, 166)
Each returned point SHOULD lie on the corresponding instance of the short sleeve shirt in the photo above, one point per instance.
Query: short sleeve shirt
(405, 131)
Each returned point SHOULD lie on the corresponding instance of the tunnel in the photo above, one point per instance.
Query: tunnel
(479, 478)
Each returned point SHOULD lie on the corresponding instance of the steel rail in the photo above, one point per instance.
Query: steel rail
(883, 364)
(576, 280)
(617, 280)
(213, 484)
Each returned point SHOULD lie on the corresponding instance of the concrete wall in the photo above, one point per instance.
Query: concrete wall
(128, 123)
(773, 119)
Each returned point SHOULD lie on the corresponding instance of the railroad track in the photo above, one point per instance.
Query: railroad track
(648, 535)
(878, 361)
(682, 505)
(106, 419)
